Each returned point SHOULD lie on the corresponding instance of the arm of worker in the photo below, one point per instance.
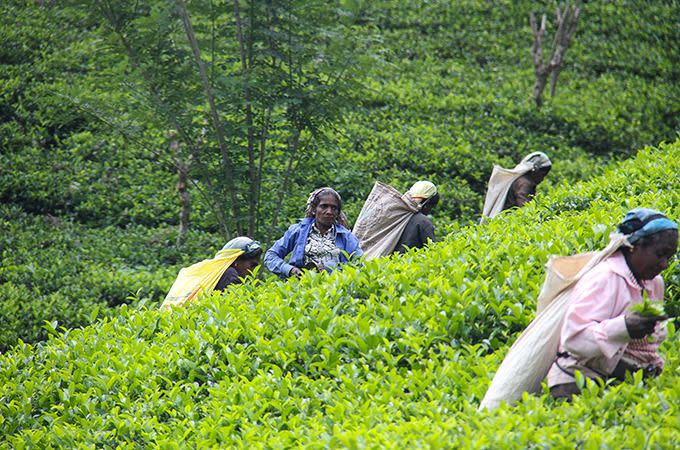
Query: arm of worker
(230, 276)
(426, 232)
(524, 191)
(353, 248)
(594, 325)
(274, 258)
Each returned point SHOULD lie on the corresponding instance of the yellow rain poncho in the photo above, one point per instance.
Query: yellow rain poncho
(200, 277)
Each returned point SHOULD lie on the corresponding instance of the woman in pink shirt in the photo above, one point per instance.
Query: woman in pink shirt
(599, 336)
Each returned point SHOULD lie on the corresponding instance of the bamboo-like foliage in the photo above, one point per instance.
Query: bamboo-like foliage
(261, 114)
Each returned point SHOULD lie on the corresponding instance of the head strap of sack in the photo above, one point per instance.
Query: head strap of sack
(422, 191)
(537, 160)
(247, 245)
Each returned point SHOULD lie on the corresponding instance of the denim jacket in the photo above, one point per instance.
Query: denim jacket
(294, 241)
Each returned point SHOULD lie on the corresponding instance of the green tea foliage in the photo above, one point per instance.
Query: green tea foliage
(443, 92)
(453, 96)
(395, 353)
(647, 308)
(58, 271)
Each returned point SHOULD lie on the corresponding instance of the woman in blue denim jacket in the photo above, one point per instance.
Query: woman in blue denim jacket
(320, 241)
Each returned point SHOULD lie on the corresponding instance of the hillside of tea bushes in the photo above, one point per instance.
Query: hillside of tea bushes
(58, 270)
(396, 353)
(442, 92)
(88, 203)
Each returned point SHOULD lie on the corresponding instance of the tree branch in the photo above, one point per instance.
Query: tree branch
(226, 161)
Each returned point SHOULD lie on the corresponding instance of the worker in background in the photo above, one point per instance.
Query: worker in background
(320, 241)
(513, 188)
(236, 261)
(244, 265)
(419, 229)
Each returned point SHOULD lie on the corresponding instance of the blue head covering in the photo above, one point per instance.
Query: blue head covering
(643, 222)
(249, 246)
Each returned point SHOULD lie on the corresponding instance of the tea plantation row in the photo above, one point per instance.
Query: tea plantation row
(446, 98)
(395, 353)
(54, 269)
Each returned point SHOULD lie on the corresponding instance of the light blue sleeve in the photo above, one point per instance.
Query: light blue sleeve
(353, 248)
(274, 258)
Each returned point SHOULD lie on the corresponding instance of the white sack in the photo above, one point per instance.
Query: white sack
(529, 359)
(501, 180)
(499, 184)
(382, 220)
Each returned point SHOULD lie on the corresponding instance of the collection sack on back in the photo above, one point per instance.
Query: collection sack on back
(237, 260)
(593, 314)
(514, 187)
(387, 214)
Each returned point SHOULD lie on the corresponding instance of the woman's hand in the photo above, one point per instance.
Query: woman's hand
(295, 272)
(652, 371)
(624, 367)
(640, 326)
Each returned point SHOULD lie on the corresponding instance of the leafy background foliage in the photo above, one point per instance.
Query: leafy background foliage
(441, 92)
(397, 352)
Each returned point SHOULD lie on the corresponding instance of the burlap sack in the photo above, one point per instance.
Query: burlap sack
(382, 220)
(499, 184)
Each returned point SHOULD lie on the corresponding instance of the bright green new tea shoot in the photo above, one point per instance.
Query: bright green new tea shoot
(648, 308)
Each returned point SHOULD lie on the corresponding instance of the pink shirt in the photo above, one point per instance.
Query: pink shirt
(594, 330)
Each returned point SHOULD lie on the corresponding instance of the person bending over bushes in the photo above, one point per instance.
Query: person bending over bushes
(244, 265)
(601, 335)
(523, 189)
(320, 241)
(237, 260)
(513, 188)
(419, 229)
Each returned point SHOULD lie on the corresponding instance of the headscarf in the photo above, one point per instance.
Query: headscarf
(538, 160)
(421, 191)
(248, 246)
(313, 202)
(642, 222)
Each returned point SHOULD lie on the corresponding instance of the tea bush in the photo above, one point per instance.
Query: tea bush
(447, 98)
(397, 352)
(54, 269)
(452, 98)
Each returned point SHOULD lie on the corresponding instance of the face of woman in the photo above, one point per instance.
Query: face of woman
(646, 262)
(540, 174)
(326, 212)
(245, 267)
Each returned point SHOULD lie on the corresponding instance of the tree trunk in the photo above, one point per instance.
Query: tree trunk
(537, 54)
(566, 26)
(164, 110)
(226, 160)
(283, 190)
(553, 81)
(252, 168)
(263, 146)
(182, 190)
(566, 21)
